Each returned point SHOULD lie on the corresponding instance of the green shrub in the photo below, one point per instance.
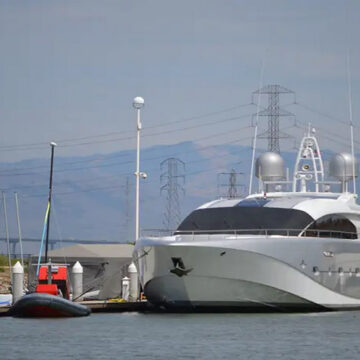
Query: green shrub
(4, 261)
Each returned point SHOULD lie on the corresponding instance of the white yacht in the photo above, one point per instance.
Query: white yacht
(273, 250)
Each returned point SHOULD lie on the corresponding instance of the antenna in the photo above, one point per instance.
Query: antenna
(351, 118)
(256, 128)
(309, 164)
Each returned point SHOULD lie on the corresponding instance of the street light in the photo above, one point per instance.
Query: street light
(138, 103)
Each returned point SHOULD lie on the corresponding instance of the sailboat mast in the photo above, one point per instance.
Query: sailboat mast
(52, 144)
(19, 228)
(6, 230)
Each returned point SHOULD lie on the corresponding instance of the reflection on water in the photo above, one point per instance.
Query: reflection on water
(333, 335)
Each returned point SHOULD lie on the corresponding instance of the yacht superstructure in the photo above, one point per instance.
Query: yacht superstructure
(273, 250)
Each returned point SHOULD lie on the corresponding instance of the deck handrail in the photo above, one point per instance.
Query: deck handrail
(261, 232)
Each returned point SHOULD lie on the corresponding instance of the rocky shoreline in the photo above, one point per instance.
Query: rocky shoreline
(5, 280)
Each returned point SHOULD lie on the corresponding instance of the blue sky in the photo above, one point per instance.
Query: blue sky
(69, 69)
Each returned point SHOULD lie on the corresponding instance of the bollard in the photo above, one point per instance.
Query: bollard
(134, 282)
(125, 288)
(17, 281)
(77, 281)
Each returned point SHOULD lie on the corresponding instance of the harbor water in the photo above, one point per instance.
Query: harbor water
(333, 335)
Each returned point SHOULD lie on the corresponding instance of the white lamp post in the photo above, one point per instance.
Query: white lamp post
(138, 103)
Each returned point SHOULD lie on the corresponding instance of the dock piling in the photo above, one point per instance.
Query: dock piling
(17, 281)
(77, 281)
(134, 282)
(125, 288)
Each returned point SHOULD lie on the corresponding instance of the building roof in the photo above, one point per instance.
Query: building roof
(80, 251)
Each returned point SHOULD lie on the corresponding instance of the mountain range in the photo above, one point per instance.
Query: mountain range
(94, 196)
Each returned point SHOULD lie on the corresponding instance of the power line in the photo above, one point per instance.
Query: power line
(76, 191)
(125, 162)
(163, 132)
(120, 155)
(128, 174)
(61, 183)
(67, 182)
(115, 187)
(66, 163)
(42, 145)
(336, 136)
(22, 148)
(318, 112)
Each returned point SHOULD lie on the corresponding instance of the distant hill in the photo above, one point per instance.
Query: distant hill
(94, 195)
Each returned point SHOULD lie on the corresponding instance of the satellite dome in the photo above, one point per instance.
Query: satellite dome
(138, 102)
(342, 166)
(270, 166)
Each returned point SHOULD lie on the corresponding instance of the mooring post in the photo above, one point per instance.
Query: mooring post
(134, 282)
(18, 281)
(77, 281)
(125, 288)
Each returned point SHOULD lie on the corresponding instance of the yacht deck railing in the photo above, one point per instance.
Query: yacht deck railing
(318, 233)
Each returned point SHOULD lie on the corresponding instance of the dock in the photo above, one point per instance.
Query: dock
(97, 306)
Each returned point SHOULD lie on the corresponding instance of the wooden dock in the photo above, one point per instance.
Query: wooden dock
(115, 306)
(4, 310)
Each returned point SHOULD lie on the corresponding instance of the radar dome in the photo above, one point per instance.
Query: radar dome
(270, 166)
(342, 166)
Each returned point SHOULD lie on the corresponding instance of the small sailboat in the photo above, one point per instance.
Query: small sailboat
(52, 294)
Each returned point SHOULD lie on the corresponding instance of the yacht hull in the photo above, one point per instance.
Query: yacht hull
(229, 295)
(203, 277)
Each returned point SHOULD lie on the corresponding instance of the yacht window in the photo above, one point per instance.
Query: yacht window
(335, 226)
(253, 202)
(246, 220)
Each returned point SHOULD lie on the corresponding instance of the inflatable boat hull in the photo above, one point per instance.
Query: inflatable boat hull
(45, 305)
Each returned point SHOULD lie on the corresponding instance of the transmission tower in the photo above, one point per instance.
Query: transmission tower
(172, 180)
(273, 112)
(233, 189)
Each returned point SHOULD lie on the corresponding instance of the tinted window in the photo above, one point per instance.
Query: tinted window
(248, 219)
(336, 226)
(253, 203)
